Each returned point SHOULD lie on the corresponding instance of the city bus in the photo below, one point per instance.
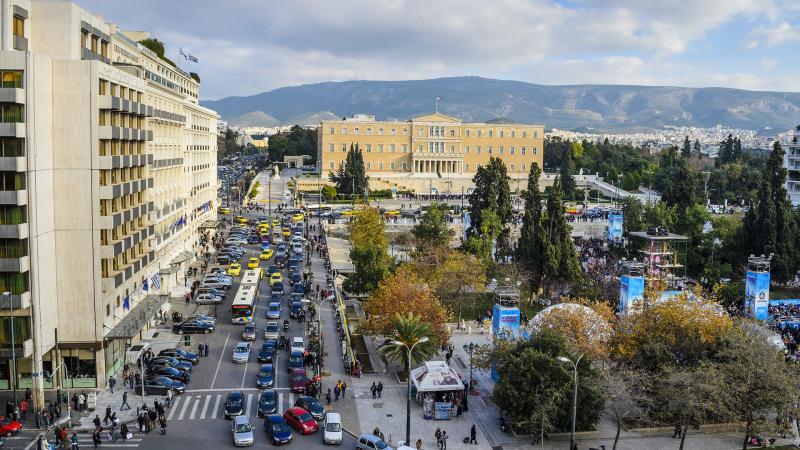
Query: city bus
(253, 277)
(244, 304)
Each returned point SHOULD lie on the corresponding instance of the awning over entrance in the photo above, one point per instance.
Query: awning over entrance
(339, 252)
(208, 224)
(143, 312)
(182, 257)
(169, 270)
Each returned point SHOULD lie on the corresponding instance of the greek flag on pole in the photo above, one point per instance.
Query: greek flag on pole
(156, 281)
(126, 304)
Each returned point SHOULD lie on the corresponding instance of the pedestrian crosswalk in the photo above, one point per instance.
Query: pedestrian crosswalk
(211, 405)
(27, 441)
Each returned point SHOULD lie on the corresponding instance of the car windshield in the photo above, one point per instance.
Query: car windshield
(333, 427)
(243, 427)
(249, 328)
(266, 401)
(264, 373)
(295, 358)
(274, 307)
(299, 377)
(272, 327)
(5, 421)
(305, 417)
(234, 401)
(280, 428)
(380, 444)
(241, 348)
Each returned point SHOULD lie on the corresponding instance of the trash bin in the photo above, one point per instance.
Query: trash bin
(91, 401)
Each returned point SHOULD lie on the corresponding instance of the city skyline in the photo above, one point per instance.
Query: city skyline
(255, 47)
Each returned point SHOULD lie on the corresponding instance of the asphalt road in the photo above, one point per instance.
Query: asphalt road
(195, 421)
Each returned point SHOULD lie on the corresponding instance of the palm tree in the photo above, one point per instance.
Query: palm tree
(409, 330)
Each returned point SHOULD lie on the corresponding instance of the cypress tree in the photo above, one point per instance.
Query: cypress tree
(686, 150)
(532, 242)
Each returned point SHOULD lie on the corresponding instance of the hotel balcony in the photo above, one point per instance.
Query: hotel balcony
(19, 231)
(127, 271)
(125, 188)
(13, 164)
(119, 218)
(118, 104)
(121, 161)
(12, 130)
(126, 134)
(19, 302)
(23, 349)
(19, 197)
(116, 247)
(21, 264)
(12, 95)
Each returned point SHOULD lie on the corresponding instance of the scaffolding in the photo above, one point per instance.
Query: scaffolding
(662, 257)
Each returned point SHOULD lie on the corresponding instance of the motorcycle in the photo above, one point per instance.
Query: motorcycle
(285, 325)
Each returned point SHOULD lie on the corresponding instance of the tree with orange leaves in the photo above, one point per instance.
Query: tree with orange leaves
(586, 326)
(404, 293)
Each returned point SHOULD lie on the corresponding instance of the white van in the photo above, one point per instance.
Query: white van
(332, 430)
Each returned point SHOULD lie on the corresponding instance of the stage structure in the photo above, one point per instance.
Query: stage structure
(663, 253)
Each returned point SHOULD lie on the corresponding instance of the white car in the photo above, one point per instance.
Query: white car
(332, 429)
(241, 353)
(208, 299)
(272, 331)
(298, 343)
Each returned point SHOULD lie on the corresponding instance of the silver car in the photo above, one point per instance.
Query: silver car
(272, 331)
(208, 299)
(242, 432)
(249, 333)
(241, 353)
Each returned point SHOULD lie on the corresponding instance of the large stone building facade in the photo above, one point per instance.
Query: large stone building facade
(433, 145)
(108, 169)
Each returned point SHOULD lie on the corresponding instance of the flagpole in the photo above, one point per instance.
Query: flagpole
(436, 105)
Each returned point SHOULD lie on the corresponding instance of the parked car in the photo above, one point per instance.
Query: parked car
(241, 353)
(267, 403)
(160, 385)
(181, 355)
(9, 426)
(371, 442)
(277, 429)
(301, 420)
(216, 283)
(193, 327)
(171, 362)
(170, 372)
(268, 349)
(207, 299)
(234, 404)
(272, 331)
(266, 376)
(332, 429)
(212, 291)
(242, 431)
(298, 379)
(249, 333)
(311, 405)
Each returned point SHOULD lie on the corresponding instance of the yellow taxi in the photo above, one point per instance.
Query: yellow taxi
(240, 219)
(348, 212)
(286, 232)
(275, 278)
(297, 217)
(276, 223)
(263, 229)
(222, 210)
(392, 213)
(234, 269)
(252, 263)
(266, 254)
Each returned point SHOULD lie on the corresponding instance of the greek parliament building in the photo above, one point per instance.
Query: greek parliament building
(429, 146)
(107, 176)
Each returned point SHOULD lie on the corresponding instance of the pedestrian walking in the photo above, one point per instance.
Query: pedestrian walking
(169, 398)
(328, 396)
(123, 431)
(163, 422)
(419, 444)
(676, 431)
(205, 348)
(336, 391)
(124, 402)
(74, 441)
(472, 434)
(108, 415)
(96, 421)
(438, 435)
(200, 349)
(374, 390)
(444, 440)
(380, 389)
(344, 388)
(23, 408)
(96, 437)
(111, 383)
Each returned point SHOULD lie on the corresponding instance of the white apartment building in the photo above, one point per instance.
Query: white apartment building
(107, 177)
(791, 161)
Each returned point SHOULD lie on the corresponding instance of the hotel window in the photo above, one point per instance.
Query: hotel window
(513, 133)
(523, 167)
(344, 130)
(512, 167)
(405, 148)
(380, 166)
(452, 149)
(11, 113)
(84, 39)
(501, 133)
(380, 148)
(420, 131)
(479, 133)
(344, 147)
(19, 26)
(501, 149)
(405, 132)
(419, 147)
(332, 131)
(102, 118)
(369, 148)
(491, 133)
(534, 134)
(103, 88)
(452, 133)
(330, 147)
(104, 49)
(524, 133)
(523, 150)
(467, 133)
(466, 149)
(12, 79)
(391, 165)
(380, 131)
(533, 150)
(478, 149)
(95, 40)
(489, 149)
(355, 131)
(391, 148)
(369, 166)
(394, 132)
(405, 166)
(369, 131)
(512, 150)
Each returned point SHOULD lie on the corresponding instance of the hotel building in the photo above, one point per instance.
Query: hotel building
(108, 172)
(791, 161)
(433, 145)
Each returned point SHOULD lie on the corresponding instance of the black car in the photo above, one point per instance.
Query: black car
(267, 403)
(224, 259)
(267, 351)
(170, 362)
(170, 372)
(234, 404)
(160, 386)
(311, 405)
(192, 327)
(180, 355)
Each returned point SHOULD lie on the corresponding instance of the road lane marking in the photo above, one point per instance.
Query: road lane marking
(291, 399)
(192, 391)
(194, 408)
(175, 401)
(185, 407)
(205, 407)
(249, 402)
(216, 407)
(244, 375)
(221, 355)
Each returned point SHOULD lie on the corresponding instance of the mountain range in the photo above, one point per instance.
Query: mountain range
(575, 107)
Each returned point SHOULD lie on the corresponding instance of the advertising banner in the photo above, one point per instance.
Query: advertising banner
(631, 293)
(615, 227)
(756, 293)
(505, 322)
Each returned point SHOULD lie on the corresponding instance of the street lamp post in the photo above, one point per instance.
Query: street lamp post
(408, 384)
(574, 396)
(469, 348)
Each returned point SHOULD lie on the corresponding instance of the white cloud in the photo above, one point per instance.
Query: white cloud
(773, 36)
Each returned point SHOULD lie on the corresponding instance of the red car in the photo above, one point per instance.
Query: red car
(301, 420)
(299, 380)
(9, 427)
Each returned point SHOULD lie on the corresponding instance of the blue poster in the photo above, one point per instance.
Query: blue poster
(756, 294)
(466, 224)
(505, 322)
(615, 227)
(631, 293)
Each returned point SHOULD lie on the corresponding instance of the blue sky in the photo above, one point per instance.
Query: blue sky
(250, 46)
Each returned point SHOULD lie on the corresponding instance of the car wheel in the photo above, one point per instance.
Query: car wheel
(8, 434)
(180, 331)
(206, 331)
